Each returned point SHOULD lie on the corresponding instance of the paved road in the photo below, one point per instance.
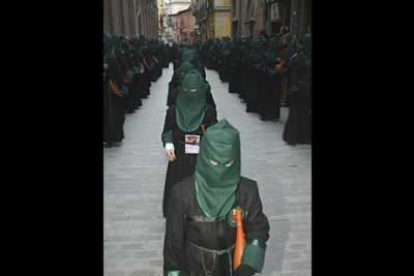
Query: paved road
(134, 176)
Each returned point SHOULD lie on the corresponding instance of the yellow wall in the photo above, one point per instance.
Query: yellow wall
(222, 3)
(222, 24)
(258, 16)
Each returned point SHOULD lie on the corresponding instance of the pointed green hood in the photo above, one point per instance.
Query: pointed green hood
(307, 46)
(272, 51)
(188, 55)
(185, 67)
(217, 173)
(191, 102)
(108, 45)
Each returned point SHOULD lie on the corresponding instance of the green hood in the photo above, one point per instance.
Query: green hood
(188, 55)
(217, 173)
(108, 44)
(257, 50)
(185, 67)
(191, 102)
(307, 45)
(272, 51)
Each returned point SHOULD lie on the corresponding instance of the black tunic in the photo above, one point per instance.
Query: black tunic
(114, 105)
(255, 88)
(184, 165)
(271, 98)
(298, 125)
(235, 69)
(188, 230)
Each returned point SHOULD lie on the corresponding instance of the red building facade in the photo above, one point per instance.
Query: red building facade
(183, 26)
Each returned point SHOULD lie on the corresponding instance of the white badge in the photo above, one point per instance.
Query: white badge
(192, 144)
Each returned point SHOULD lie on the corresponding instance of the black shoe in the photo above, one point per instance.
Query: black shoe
(117, 144)
(108, 145)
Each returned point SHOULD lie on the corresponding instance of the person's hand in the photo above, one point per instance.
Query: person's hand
(279, 66)
(171, 155)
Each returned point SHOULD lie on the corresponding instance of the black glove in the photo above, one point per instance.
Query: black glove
(245, 270)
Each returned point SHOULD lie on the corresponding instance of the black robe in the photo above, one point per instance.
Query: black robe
(184, 165)
(298, 126)
(114, 113)
(270, 100)
(188, 230)
(235, 69)
(244, 77)
(255, 88)
(132, 101)
(146, 83)
(109, 114)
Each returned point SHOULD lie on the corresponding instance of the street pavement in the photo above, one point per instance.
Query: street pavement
(134, 176)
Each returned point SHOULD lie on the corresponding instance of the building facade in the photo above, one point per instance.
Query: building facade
(183, 26)
(213, 18)
(131, 17)
(173, 7)
(218, 18)
(162, 20)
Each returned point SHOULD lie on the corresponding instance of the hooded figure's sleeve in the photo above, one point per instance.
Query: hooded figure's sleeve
(167, 133)
(256, 228)
(211, 116)
(174, 236)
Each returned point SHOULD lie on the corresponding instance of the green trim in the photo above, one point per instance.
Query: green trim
(167, 137)
(259, 243)
(254, 255)
(174, 273)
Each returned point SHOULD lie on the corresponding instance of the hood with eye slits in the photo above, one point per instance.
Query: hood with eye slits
(191, 102)
(218, 167)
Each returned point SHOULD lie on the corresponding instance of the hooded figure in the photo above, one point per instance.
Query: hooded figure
(307, 47)
(298, 126)
(184, 126)
(307, 50)
(200, 231)
(173, 87)
(113, 100)
(176, 81)
(235, 59)
(271, 98)
(255, 74)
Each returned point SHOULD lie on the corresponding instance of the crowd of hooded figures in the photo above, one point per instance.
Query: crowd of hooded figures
(203, 186)
(268, 72)
(215, 225)
(130, 65)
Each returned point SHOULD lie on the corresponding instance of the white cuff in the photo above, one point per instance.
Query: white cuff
(169, 146)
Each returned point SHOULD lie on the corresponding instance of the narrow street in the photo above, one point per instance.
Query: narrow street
(134, 176)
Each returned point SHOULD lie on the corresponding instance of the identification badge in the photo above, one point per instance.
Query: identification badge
(192, 144)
